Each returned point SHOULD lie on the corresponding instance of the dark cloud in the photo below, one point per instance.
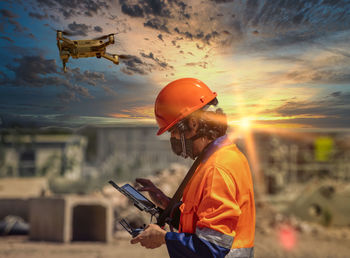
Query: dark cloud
(134, 65)
(157, 24)
(38, 16)
(98, 29)
(199, 35)
(332, 110)
(162, 64)
(91, 78)
(334, 105)
(30, 70)
(36, 71)
(160, 36)
(131, 10)
(200, 64)
(323, 76)
(7, 38)
(72, 8)
(48, 3)
(17, 25)
(8, 14)
(222, 1)
(67, 96)
(146, 8)
(78, 29)
(286, 23)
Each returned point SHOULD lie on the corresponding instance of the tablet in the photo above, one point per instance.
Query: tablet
(140, 201)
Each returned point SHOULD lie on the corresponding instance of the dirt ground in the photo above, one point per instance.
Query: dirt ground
(336, 244)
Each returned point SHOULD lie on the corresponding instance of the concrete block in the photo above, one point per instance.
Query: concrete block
(14, 206)
(70, 218)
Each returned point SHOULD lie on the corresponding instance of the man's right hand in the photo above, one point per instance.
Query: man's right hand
(157, 196)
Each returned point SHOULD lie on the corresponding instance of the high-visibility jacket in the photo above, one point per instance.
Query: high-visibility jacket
(218, 211)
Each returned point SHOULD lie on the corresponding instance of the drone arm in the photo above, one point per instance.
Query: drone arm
(113, 58)
(68, 41)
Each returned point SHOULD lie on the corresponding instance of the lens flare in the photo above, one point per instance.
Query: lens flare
(287, 237)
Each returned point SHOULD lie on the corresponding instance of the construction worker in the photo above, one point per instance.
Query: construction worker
(217, 214)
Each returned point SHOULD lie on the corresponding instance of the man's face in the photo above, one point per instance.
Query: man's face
(175, 132)
(189, 133)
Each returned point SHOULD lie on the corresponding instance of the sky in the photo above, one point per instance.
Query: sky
(278, 64)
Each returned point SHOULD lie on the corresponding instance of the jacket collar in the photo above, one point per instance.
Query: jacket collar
(214, 146)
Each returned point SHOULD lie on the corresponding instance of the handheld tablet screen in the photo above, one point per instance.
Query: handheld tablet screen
(138, 196)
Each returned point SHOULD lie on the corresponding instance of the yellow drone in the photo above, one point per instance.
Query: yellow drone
(85, 48)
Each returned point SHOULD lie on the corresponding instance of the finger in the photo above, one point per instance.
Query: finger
(144, 181)
(148, 189)
(135, 240)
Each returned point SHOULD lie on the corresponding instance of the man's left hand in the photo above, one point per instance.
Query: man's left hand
(152, 237)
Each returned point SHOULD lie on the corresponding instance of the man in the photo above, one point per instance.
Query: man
(217, 211)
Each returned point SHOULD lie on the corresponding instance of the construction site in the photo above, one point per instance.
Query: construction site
(55, 200)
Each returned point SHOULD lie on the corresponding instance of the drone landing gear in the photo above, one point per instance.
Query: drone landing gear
(64, 65)
(113, 58)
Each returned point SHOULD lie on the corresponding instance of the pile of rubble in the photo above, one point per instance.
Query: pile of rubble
(270, 221)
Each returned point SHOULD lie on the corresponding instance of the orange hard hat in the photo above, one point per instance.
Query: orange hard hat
(179, 99)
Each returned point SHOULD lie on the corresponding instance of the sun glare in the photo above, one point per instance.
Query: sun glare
(245, 123)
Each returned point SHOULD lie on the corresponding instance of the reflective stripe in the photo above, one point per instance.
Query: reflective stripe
(241, 253)
(215, 237)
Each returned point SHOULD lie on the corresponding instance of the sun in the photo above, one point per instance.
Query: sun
(245, 123)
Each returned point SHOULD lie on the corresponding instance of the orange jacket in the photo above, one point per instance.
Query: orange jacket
(220, 197)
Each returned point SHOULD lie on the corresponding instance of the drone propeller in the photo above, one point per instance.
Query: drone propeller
(119, 56)
(124, 56)
(64, 32)
(104, 37)
(67, 33)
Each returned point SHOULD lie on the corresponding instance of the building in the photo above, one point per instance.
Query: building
(33, 155)
(132, 149)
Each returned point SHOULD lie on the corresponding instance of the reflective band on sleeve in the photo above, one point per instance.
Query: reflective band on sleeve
(215, 237)
(241, 253)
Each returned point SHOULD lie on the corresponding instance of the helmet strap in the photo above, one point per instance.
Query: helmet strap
(183, 144)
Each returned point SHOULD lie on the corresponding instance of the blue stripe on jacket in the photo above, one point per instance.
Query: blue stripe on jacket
(182, 245)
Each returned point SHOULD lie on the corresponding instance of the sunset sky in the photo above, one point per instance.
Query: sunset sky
(272, 63)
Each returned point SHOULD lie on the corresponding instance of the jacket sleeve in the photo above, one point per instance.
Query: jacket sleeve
(218, 208)
(217, 214)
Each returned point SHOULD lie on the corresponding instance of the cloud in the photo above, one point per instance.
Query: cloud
(157, 24)
(91, 78)
(131, 10)
(134, 65)
(73, 8)
(98, 29)
(147, 8)
(7, 38)
(38, 16)
(30, 70)
(330, 111)
(162, 64)
(136, 112)
(78, 29)
(200, 64)
(36, 71)
(324, 76)
(8, 14)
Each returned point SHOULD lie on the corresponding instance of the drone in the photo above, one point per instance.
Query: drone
(85, 48)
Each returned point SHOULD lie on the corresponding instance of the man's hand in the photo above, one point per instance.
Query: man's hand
(157, 196)
(152, 237)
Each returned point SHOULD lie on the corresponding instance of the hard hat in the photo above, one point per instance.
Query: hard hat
(179, 99)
